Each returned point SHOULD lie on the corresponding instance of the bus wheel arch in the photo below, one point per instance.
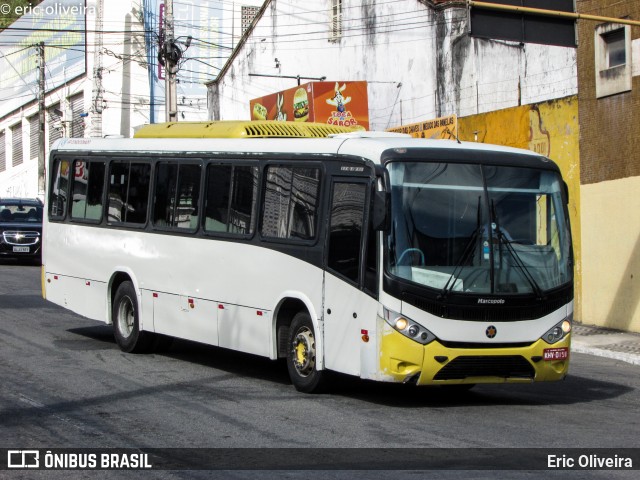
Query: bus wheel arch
(125, 316)
(303, 355)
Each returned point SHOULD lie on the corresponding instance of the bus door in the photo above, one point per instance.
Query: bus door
(346, 304)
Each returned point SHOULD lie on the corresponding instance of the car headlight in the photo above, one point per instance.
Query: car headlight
(559, 331)
(408, 327)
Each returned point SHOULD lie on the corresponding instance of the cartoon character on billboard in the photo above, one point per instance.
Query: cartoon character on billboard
(281, 116)
(338, 100)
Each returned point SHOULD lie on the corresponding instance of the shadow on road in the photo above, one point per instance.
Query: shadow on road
(574, 389)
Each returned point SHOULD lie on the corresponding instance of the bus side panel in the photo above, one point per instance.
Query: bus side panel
(185, 317)
(245, 329)
(352, 311)
(82, 296)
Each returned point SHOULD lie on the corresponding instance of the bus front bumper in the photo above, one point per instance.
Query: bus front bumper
(404, 360)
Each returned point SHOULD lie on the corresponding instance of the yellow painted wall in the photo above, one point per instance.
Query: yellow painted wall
(611, 248)
(550, 128)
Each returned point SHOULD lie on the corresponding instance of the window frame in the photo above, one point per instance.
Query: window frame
(256, 199)
(360, 282)
(611, 80)
(319, 202)
(151, 209)
(57, 160)
(129, 160)
(72, 183)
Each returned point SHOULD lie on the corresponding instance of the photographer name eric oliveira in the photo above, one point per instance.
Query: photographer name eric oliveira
(589, 462)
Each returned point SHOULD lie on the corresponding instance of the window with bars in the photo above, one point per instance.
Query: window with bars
(16, 142)
(3, 153)
(335, 32)
(34, 126)
(248, 13)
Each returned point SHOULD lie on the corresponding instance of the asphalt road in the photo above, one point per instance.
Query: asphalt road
(65, 384)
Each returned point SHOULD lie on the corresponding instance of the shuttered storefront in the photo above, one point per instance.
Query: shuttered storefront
(54, 123)
(34, 124)
(3, 153)
(16, 142)
(77, 122)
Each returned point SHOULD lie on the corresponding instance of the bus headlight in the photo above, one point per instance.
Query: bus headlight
(408, 327)
(559, 331)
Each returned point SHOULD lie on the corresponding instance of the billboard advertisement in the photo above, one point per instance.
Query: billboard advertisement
(334, 103)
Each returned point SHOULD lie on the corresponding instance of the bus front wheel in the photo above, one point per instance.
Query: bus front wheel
(301, 356)
(126, 324)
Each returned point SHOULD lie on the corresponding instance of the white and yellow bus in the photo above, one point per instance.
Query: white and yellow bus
(371, 254)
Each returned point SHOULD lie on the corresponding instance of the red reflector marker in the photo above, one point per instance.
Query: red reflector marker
(259, 313)
(155, 295)
(220, 306)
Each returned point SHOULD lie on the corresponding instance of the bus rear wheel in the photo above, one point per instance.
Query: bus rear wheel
(301, 356)
(126, 323)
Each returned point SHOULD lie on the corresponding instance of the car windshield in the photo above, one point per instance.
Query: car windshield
(18, 212)
(478, 228)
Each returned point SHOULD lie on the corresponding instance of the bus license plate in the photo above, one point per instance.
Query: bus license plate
(21, 249)
(556, 354)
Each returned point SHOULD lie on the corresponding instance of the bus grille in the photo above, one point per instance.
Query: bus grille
(463, 367)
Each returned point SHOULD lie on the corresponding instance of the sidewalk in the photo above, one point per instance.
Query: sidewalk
(603, 342)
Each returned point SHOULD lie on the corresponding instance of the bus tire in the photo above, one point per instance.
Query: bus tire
(126, 323)
(301, 356)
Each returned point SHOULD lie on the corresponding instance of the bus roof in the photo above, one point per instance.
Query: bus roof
(241, 129)
(374, 146)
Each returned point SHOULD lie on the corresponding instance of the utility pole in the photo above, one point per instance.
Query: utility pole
(171, 58)
(41, 119)
(96, 106)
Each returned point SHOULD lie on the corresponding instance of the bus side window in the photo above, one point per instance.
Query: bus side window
(88, 186)
(291, 202)
(345, 234)
(128, 192)
(59, 188)
(230, 199)
(177, 192)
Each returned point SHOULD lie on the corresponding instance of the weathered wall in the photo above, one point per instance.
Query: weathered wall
(551, 129)
(610, 177)
(416, 56)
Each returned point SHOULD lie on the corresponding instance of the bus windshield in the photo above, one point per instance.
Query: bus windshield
(481, 229)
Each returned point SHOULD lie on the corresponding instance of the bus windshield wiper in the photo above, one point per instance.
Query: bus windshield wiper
(451, 281)
(503, 240)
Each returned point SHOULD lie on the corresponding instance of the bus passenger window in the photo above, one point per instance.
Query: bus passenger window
(177, 195)
(347, 216)
(128, 192)
(291, 202)
(230, 199)
(88, 186)
(59, 189)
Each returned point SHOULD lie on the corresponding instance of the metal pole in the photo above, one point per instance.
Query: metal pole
(41, 121)
(171, 69)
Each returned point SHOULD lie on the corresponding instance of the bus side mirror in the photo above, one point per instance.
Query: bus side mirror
(566, 190)
(380, 217)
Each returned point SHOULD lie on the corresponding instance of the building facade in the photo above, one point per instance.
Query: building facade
(609, 104)
(102, 74)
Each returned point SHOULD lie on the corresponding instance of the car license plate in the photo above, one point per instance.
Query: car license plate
(21, 249)
(556, 353)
